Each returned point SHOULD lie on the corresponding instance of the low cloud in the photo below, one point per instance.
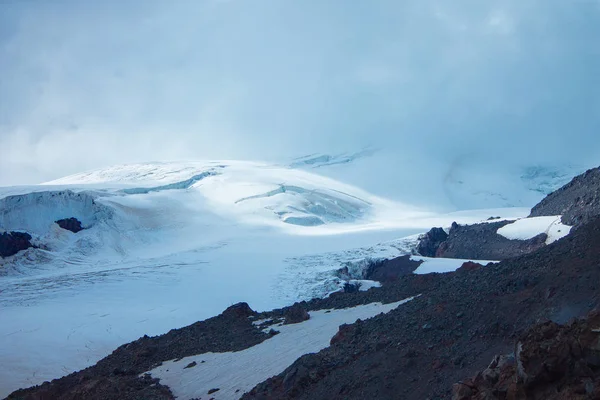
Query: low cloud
(86, 85)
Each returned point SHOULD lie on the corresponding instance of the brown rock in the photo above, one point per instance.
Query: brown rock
(296, 314)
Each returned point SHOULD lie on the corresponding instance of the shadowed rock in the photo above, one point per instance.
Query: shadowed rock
(550, 362)
(13, 242)
(431, 241)
(70, 224)
(296, 314)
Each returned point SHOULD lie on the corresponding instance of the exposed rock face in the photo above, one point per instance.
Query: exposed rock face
(481, 242)
(379, 270)
(13, 242)
(239, 310)
(551, 362)
(390, 270)
(577, 201)
(296, 314)
(431, 241)
(70, 224)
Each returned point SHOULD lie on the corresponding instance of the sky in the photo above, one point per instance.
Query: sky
(89, 84)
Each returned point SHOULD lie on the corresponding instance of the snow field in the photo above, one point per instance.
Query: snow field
(527, 228)
(235, 373)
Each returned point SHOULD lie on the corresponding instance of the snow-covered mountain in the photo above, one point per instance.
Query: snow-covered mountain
(167, 244)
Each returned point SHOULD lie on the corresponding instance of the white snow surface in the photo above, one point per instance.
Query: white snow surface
(242, 370)
(168, 244)
(253, 192)
(527, 228)
(441, 265)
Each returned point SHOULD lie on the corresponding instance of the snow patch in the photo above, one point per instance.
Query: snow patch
(235, 373)
(527, 228)
(442, 265)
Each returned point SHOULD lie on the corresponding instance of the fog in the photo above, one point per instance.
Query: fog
(90, 84)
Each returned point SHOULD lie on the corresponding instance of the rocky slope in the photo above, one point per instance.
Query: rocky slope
(116, 376)
(481, 242)
(550, 362)
(452, 330)
(578, 201)
(454, 326)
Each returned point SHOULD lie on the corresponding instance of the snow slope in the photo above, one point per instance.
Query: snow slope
(253, 192)
(168, 244)
(527, 228)
(235, 373)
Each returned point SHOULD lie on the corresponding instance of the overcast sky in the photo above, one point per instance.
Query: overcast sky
(86, 84)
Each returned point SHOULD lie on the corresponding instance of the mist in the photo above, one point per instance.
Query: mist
(89, 84)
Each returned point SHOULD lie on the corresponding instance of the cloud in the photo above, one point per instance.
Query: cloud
(91, 84)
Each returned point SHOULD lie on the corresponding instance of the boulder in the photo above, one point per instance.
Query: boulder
(239, 310)
(295, 314)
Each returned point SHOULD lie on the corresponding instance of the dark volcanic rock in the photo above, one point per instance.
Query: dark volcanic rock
(296, 314)
(379, 270)
(481, 242)
(239, 310)
(469, 266)
(430, 242)
(550, 362)
(13, 242)
(351, 287)
(389, 270)
(457, 325)
(70, 224)
(578, 201)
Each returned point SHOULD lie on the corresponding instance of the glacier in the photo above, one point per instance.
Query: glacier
(168, 244)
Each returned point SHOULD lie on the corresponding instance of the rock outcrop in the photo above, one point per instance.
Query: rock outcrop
(481, 242)
(390, 270)
(13, 242)
(578, 201)
(70, 224)
(296, 314)
(431, 241)
(550, 362)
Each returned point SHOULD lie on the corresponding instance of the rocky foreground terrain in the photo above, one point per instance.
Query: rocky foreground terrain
(437, 346)
(550, 361)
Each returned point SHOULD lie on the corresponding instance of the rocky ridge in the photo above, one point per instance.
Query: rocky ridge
(578, 201)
